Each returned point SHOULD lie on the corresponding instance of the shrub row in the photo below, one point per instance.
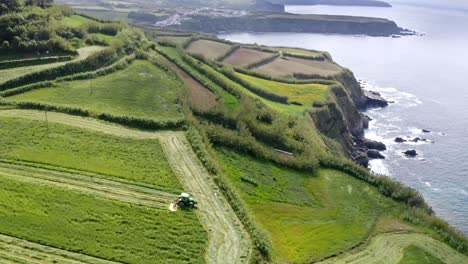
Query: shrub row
(26, 88)
(308, 76)
(263, 61)
(119, 65)
(305, 57)
(92, 62)
(130, 121)
(34, 61)
(202, 148)
(450, 235)
(229, 52)
(254, 88)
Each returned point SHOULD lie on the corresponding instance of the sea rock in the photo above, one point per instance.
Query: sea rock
(417, 139)
(374, 99)
(410, 153)
(374, 154)
(400, 140)
(362, 160)
(426, 131)
(371, 144)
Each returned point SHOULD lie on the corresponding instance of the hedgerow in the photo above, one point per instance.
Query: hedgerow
(33, 61)
(26, 88)
(91, 63)
(228, 53)
(320, 80)
(263, 61)
(229, 72)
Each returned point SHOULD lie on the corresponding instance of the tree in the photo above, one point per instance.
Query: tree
(7, 6)
(5, 45)
(40, 3)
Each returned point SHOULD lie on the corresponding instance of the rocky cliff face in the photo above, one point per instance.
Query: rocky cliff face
(291, 23)
(334, 2)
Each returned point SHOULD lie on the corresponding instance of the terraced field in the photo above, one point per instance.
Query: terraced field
(288, 66)
(174, 39)
(389, 249)
(142, 90)
(228, 240)
(244, 56)
(208, 48)
(13, 73)
(95, 184)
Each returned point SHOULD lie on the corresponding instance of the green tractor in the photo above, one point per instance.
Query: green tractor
(185, 201)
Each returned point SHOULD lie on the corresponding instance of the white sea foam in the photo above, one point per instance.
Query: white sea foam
(378, 166)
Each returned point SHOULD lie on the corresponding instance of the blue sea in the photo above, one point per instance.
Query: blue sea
(427, 79)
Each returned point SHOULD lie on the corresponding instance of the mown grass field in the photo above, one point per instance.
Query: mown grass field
(288, 66)
(12, 73)
(307, 216)
(244, 56)
(305, 94)
(208, 48)
(141, 90)
(59, 145)
(107, 229)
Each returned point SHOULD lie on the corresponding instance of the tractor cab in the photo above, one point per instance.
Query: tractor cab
(185, 201)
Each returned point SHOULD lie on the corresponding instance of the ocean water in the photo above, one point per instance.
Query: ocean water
(426, 77)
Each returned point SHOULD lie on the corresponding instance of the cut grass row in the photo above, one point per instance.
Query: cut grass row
(95, 184)
(141, 90)
(98, 227)
(307, 217)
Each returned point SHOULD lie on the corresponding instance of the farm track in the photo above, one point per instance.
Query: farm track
(388, 249)
(14, 250)
(228, 240)
(88, 183)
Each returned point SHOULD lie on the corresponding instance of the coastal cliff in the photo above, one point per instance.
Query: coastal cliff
(333, 2)
(262, 22)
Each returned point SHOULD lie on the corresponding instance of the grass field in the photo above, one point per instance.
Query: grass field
(244, 56)
(76, 21)
(105, 14)
(141, 90)
(305, 94)
(12, 73)
(306, 216)
(401, 248)
(289, 65)
(93, 226)
(174, 39)
(59, 145)
(208, 48)
(109, 40)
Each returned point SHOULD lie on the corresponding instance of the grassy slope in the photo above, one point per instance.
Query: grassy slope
(208, 48)
(137, 160)
(307, 217)
(416, 255)
(305, 94)
(99, 227)
(142, 90)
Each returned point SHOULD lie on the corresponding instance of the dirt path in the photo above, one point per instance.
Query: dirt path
(388, 249)
(14, 250)
(88, 183)
(228, 241)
